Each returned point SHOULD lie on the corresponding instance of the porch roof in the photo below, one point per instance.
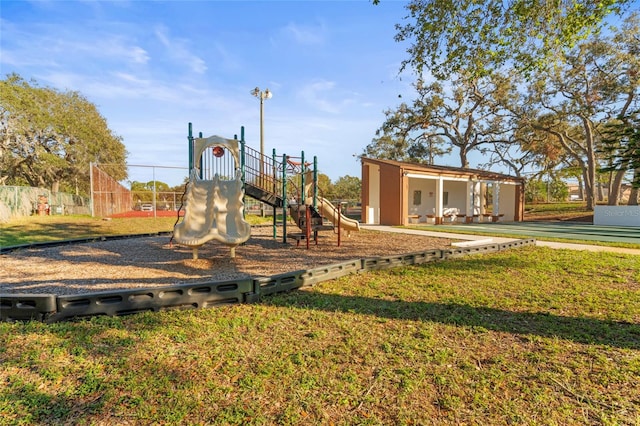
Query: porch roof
(445, 171)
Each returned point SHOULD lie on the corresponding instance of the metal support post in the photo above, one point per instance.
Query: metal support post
(302, 191)
(275, 179)
(93, 213)
(242, 154)
(242, 169)
(201, 160)
(190, 139)
(339, 222)
(315, 182)
(284, 198)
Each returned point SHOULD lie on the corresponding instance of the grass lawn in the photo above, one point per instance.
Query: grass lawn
(35, 229)
(565, 211)
(543, 212)
(530, 336)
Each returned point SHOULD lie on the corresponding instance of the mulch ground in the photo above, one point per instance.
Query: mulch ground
(154, 261)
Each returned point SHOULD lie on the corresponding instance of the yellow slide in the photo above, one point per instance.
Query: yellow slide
(330, 212)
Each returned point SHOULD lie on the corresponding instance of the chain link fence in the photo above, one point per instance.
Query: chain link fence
(148, 190)
(108, 196)
(20, 201)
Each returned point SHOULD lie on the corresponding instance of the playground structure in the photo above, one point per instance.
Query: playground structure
(223, 171)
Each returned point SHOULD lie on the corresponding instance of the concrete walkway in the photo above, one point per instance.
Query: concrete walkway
(491, 239)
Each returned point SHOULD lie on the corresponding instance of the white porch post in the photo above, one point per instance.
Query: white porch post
(470, 197)
(496, 198)
(477, 197)
(439, 197)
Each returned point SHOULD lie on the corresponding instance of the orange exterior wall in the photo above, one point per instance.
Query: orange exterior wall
(519, 210)
(391, 195)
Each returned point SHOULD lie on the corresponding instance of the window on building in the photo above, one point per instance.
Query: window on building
(417, 198)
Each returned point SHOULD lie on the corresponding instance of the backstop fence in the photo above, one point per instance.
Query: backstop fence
(108, 196)
(149, 189)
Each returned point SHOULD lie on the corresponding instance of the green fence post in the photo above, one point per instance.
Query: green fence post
(201, 160)
(284, 198)
(242, 154)
(315, 182)
(190, 139)
(301, 201)
(242, 167)
(275, 191)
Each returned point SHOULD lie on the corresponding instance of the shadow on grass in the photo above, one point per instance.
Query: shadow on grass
(14, 234)
(580, 330)
(62, 228)
(41, 407)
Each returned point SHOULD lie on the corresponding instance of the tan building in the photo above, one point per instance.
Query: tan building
(398, 193)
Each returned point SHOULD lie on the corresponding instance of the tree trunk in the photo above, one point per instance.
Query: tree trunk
(590, 172)
(580, 188)
(614, 188)
(633, 197)
(590, 190)
(635, 191)
(600, 192)
(464, 162)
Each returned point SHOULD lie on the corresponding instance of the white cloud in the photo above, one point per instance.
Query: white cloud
(326, 96)
(316, 95)
(108, 47)
(225, 59)
(176, 49)
(119, 85)
(305, 35)
(138, 55)
(54, 46)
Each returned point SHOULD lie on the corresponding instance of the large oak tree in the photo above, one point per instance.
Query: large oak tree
(48, 138)
(463, 115)
(593, 84)
(478, 37)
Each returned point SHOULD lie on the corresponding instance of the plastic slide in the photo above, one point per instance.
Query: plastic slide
(214, 209)
(330, 212)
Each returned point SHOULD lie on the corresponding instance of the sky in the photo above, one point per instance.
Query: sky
(152, 67)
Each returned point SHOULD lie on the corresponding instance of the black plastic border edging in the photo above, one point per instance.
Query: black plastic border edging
(52, 308)
(45, 244)
(26, 306)
(124, 302)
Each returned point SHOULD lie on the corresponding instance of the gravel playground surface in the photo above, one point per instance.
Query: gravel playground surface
(144, 262)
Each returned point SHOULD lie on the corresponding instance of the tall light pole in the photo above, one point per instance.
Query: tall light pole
(262, 95)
